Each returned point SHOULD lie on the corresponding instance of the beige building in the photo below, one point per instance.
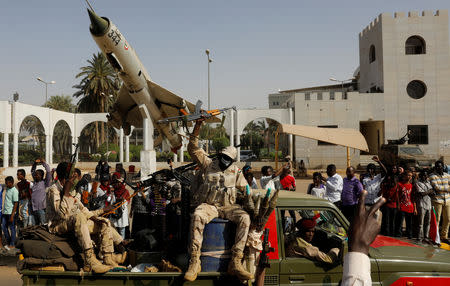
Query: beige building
(402, 83)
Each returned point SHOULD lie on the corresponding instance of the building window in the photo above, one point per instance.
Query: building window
(319, 96)
(307, 96)
(372, 54)
(331, 95)
(418, 135)
(415, 45)
(416, 89)
(322, 143)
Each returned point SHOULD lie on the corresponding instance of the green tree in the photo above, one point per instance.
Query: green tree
(219, 143)
(60, 102)
(97, 90)
(32, 126)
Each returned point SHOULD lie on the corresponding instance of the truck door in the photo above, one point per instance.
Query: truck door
(329, 233)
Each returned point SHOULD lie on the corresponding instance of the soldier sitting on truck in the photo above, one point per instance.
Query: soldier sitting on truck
(218, 181)
(67, 215)
(300, 245)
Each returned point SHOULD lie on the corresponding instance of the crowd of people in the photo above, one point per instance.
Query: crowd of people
(410, 196)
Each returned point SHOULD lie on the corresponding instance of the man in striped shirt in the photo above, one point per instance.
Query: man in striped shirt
(441, 199)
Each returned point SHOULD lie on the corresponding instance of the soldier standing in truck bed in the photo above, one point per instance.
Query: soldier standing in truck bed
(219, 181)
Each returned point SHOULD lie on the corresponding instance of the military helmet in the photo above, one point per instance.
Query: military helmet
(230, 151)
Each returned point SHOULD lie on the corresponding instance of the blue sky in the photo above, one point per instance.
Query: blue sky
(257, 47)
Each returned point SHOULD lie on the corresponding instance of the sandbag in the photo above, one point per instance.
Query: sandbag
(67, 246)
(30, 262)
(39, 249)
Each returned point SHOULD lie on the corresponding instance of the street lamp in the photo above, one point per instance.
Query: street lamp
(107, 128)
(342, 83)
(46, 86)
(209, 96)
(344, 96)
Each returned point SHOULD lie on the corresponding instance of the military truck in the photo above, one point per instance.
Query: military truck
(393, 261)
(405, 155)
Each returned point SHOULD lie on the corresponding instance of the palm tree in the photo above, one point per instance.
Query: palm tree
(98, 82)
(31, 125)
(60, 102)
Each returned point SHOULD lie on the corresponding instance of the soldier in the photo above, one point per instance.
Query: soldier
(218, 181)
(300, 244)
(66, 214)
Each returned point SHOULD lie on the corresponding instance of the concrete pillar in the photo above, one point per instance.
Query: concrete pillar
(121, 145)
(16, 149)
(231, 127)
(5, 150)
(181, 152)
(291, 137)
(238, 138)
(50, 150)
(47, 148)
(75, 141)
(15, 129)
(127, 148)
(175, 157)
(148, 155)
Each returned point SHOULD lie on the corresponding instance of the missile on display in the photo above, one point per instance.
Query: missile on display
(138, 88)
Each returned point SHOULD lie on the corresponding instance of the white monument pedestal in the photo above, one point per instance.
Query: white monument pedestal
(148, 162)
(148, 155)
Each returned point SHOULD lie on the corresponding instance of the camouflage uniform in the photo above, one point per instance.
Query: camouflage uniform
(67, 214)
(215, 194)
(218, 189)
(298, 247)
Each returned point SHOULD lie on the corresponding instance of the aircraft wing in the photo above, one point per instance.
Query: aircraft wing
(170, 103)
(125, 109)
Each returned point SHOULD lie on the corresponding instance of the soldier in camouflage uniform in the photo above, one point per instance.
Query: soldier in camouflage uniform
(218, 183)
(66, 214)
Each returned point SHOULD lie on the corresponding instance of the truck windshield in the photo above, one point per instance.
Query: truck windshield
(411, 150)
(326, 220)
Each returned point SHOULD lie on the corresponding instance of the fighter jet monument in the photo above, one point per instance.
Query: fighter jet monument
(139, 98)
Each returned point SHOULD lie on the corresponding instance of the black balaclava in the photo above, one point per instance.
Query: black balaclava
(224, 162)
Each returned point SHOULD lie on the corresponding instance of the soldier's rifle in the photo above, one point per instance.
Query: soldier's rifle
(73, 161)
(158, 177)
(263, 260)
(199, 113)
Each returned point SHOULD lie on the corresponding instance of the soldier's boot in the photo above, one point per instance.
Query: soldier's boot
(109, 259)
(235, 267)
(194, 267)
(92, 264)
(120, 258)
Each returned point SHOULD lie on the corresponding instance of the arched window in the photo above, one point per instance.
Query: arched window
(415, 45)
(372, 54)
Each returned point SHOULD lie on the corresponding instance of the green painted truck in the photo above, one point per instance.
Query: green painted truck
(393, 261)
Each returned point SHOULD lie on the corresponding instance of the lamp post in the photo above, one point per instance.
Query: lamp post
(342, 86)
(209, 96)
(46, 86)
(107, 129)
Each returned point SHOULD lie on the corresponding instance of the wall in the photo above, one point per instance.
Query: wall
(433, 68)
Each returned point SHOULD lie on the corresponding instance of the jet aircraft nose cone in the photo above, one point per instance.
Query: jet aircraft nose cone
(99, 26)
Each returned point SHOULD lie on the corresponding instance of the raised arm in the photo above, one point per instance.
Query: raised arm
(33, 168)
(363, 230)
(48, 174)
(377, 159)
(197, 154)
(278, 172)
